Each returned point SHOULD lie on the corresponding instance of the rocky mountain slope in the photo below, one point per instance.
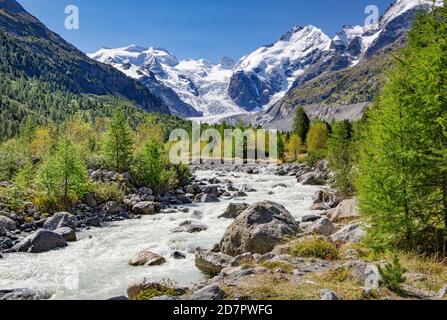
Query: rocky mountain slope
(301, 68)
(196, 87)
(29, 50)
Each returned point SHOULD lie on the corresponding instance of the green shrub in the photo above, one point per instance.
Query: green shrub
(314, 248)
(107, 191)
(393, 275)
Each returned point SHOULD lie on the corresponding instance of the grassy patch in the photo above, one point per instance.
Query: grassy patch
(314, 248)
(274, 265)
(150, 293)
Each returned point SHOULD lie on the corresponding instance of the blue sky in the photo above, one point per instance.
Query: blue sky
(195, 29)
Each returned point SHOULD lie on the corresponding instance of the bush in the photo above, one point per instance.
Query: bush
(314, 248)
(105, 191)
(392, 274)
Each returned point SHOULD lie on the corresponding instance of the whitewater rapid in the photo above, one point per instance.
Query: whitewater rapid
(95, 267)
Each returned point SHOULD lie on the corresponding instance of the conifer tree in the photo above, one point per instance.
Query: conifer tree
(119, 142)
(63, 175)
(403, 165)
(301, 124)
(340, 156)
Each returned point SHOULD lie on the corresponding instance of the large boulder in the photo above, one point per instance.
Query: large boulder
(209, 293)
(234, 210)
(60, 220)
(212, 263)
(312, 179)
(8, 223)
(147, 258)
(68, 234)
(352, 233)
(113, 207)
(259, 229)
(144, 208)
(346, 210)
(41, 241)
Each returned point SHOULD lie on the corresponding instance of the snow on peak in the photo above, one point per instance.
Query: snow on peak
(399, 7)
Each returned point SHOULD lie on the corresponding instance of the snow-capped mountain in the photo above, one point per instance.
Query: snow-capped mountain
(262, 78)
(197, 85)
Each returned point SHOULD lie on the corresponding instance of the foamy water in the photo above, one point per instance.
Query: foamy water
(95, 267)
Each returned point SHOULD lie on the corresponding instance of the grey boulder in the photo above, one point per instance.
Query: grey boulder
(352, 233)
(60, 220)
(68, 234)
(41, 241)
(8, 223)
(259, 229)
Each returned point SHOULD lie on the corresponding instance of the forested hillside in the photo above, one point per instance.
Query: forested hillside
(44, 75)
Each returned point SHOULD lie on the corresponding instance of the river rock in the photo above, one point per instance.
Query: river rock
(19, 295)
(209, 293)
(352, 233)
(178, 255)
(207, 198)
(212, 190)
(147, 258)
(90, 200)
(233, 210)
(60, 220)
(2, 231)
(8, 223)
(190, 227)
(5, 244)
(347, 210)
(113, 207)
(41, 241)
(323, 227)
(212, 263)
(312, 179)
(68, 234)
(259, 229)
(144, 208)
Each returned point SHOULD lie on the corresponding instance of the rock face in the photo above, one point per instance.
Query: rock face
(144, 208)
(147, 258)
(259, 229)
(212, 263)
(234, 210)
(60, 220)
(350, 233)
(41, 241)
(209, 293)
(346, 210)
(7, 223)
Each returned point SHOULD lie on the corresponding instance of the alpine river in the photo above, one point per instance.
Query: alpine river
(95, 267)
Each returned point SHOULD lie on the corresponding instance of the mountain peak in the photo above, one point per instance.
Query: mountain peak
(135, 48)
(227, 63)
